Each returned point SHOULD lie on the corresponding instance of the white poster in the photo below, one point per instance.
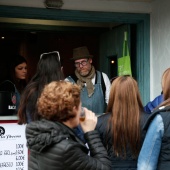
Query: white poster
(13, 150)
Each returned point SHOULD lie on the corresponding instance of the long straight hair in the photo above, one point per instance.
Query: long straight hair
(125, 106)
(48, 69)
(166, 84)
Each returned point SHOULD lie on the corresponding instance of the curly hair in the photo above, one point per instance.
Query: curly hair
(57, 100)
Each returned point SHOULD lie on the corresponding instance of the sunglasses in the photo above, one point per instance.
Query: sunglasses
(53, 52)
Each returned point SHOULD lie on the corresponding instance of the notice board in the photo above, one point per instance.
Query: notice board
(13, 150)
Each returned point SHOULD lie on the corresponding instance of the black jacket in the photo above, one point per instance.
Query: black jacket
(118, 163)
(54, 146)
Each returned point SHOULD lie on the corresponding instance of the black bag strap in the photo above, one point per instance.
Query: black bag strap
(7, 85)
(153, 114)
(103, 85)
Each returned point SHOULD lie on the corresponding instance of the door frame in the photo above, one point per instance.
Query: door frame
(141, 20)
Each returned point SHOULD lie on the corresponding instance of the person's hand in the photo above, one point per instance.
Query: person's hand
(89, 122)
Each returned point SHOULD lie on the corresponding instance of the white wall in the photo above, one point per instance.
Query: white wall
(160, 44)
(88, 5)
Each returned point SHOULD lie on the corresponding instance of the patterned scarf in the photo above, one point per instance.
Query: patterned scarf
(88, 80)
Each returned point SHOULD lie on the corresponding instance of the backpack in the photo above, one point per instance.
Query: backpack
(7, 98)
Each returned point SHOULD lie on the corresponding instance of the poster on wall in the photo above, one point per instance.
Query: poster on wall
(13, 150)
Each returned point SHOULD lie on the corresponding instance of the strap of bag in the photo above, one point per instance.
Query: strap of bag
(7, 81)
(6, 86)
(154, 113)
(125, 45)
(103, 85)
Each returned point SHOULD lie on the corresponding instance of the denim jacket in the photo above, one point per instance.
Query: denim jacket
(149, 154)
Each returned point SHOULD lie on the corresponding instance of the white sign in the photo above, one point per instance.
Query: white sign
(13, 150)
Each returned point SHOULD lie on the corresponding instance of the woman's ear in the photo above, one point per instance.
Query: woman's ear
(75, 109)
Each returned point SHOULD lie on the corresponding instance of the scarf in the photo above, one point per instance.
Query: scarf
(88, 80)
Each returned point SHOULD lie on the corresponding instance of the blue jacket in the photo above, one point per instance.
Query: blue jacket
(155, 152)
(153, 104)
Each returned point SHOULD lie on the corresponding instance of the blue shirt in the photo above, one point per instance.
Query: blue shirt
(153, 104)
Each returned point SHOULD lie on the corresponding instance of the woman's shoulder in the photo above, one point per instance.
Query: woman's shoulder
(104, 116)
(144, 115)
(102, 120)
(143, 119)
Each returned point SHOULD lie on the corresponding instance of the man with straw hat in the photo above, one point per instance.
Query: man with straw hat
(95, 85)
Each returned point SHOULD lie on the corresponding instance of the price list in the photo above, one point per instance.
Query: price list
(13, 150)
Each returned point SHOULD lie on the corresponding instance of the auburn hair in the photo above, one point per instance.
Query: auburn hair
(125, 106)
(57, 100)
(166, 84)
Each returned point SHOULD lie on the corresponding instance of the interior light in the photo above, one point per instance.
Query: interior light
(2, 38)
(112, 61)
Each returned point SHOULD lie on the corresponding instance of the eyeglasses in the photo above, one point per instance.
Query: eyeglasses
(83, 63)
(55, 52)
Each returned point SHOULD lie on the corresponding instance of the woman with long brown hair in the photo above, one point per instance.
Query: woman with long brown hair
(49, 69)
(120, 128)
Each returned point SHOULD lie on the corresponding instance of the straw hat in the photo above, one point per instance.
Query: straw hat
(80, 53)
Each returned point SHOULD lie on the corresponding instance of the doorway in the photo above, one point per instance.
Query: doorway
(113, 66)
(36, 18)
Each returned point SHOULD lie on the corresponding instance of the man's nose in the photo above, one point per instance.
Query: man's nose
(80, 65)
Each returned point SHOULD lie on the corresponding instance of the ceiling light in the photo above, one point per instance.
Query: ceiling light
(53, 4)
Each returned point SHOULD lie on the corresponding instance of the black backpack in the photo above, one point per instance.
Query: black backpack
(7, 98)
